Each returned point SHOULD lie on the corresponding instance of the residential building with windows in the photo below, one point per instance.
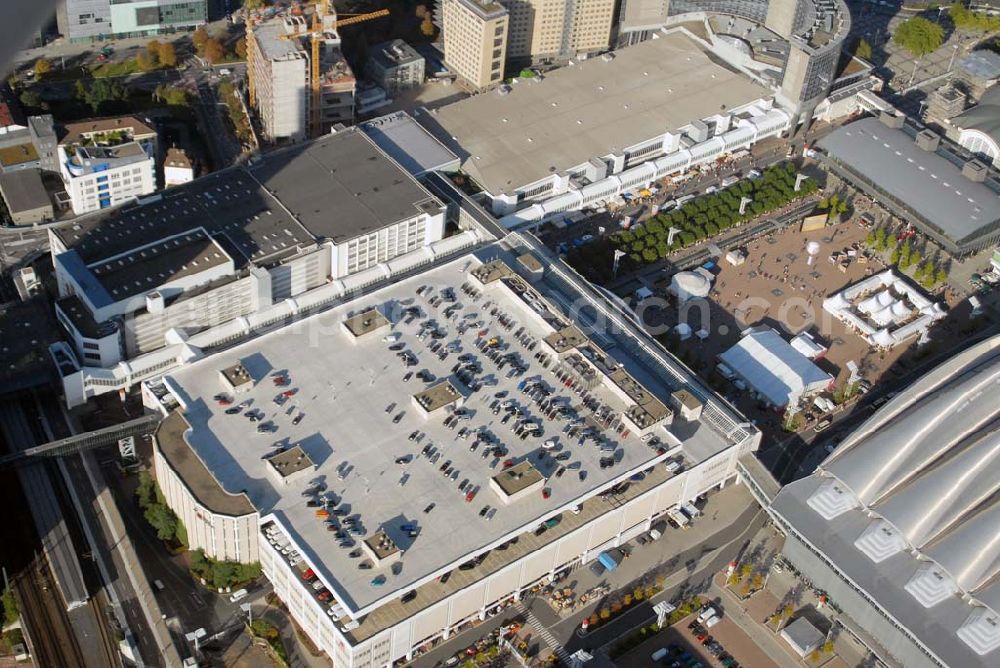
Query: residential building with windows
(143, 276)
(106, 162)
(97, 20)
(279, 71)
(395, 66)
(475, 40)
(29, 146)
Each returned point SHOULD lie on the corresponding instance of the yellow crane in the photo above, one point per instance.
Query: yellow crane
(322, 8)
(315, 33)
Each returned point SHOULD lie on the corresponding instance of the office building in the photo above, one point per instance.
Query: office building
(898, 526)
(280, 78)
(447, 535)
(475, 40)
(395, 66)
(29, 145)
(107, 161)
(555, 31)
(917, 176)
(97, 20)
(27, 201)
(582, 135)
(145, 276)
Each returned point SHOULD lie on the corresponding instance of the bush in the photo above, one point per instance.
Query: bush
(222, 574)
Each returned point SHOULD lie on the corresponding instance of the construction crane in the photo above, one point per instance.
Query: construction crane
(322, 9)
(315, 32)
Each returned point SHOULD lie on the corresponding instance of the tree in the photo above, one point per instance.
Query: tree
(43, 66)
(153, 49)
(199, 37)
(941, 276)
(168, 54)
(828, 647)
(163, 520)
(30, 98)
(174, 97)
(863, 49)
(919, 36)
(252, 5)
(212, 51)
(104, 91)
(427, 27)
(10, 611)
(241, 48)
(144, 61)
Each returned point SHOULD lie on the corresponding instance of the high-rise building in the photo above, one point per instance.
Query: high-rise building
(279, 68)
(537, 32)
(475, 40)
(395, 66)
(95, 20)
(549, 31)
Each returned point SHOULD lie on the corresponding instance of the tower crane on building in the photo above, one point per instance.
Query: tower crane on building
(324, 19)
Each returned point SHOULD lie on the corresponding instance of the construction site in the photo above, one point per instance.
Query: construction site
(299, 83)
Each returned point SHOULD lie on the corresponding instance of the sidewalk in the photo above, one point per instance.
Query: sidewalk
(734, 609)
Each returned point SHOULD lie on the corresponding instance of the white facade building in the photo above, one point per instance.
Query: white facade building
(235, 243)
(106, 162)
(360, 625)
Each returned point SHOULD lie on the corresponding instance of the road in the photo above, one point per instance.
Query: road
(686, 560)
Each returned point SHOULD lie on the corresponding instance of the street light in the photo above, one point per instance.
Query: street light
(916, 64)
(954, 51)
(920, 112)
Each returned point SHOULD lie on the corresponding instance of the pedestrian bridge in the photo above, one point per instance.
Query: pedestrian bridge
(140, 426)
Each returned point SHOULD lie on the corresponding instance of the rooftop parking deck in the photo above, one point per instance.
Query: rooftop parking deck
(383, 465)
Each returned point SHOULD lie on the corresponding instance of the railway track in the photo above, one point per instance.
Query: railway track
(52, 642)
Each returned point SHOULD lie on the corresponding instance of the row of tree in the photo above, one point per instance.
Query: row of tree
(167, 525)
(222, 574)
(699, 219)
(903, 256)
(972, 21)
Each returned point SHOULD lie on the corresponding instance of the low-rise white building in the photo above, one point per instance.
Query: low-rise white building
(177, 168)
(106, 162)
(884, 309)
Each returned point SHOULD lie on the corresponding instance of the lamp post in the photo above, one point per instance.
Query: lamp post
(954, 52)
(916, 64)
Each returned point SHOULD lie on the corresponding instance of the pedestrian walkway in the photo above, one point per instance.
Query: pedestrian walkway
(543, 633)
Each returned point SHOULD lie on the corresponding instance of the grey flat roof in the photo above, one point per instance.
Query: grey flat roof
(171, 259)
(341, 186)
(337, 187)
(589, 109)
(23, 190)
(409, 144)
(930, 185)
(272, 45)
(982, 64)
(343, 391)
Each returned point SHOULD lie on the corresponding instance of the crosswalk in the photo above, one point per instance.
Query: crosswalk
(544, 634)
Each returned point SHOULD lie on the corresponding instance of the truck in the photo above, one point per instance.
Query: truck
(690, 510)
(678, 517)
(608, 561)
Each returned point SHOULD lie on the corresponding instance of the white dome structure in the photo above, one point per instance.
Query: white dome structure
(690, 285)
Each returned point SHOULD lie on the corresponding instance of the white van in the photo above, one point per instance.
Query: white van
(658, 654)
(391, 338)
(238, 595)
(711, 621)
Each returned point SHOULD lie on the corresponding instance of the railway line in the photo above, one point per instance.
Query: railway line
(50, 637)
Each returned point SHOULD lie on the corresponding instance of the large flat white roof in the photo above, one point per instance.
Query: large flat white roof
(344, 390)
(589, 109)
